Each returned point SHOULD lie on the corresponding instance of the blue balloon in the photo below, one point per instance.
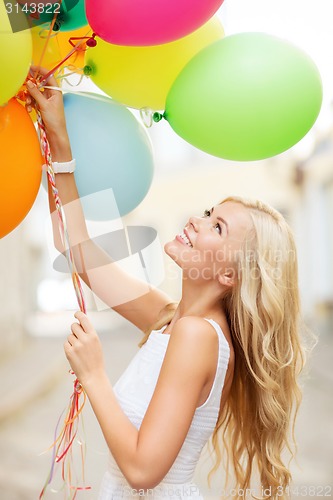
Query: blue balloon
(113, 153)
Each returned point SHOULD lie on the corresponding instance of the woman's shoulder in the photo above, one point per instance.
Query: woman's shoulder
(202, 326)
(191, 329)
(194, 345)
(191, 326)
(204, 332)
(193, 332)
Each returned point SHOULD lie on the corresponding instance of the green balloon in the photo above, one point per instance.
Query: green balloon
(246, 97)
(71, 15)
(75, 18)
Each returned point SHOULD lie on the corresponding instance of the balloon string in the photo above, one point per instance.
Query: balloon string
(57, 66)
(46, 43)
(153, 116)
(95, 97)
(62, 445)
(70, 53)
(73, 71)
(47, 40)
(104, 98)
(61, 215)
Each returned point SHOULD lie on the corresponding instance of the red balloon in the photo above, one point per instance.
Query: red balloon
(147, 22)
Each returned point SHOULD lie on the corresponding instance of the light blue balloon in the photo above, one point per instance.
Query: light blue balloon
(112, 151)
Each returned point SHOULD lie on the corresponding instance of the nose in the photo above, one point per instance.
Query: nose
(195, 222)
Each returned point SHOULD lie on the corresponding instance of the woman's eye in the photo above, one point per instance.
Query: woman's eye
(207, 213)
(218, 227)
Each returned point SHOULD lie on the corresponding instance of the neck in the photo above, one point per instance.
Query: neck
(199, 299)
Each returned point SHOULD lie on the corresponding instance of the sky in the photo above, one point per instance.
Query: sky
(306, 23)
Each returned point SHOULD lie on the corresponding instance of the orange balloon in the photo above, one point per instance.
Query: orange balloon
(20, 165)
(49, 52)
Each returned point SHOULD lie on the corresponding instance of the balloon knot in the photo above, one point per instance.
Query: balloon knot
(92, 42)
(157, 117)
(87, 70)
(58, 23)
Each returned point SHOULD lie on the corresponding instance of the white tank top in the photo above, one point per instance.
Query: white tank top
(134, 391)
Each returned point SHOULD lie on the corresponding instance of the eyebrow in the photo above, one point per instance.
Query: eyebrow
(221, 219)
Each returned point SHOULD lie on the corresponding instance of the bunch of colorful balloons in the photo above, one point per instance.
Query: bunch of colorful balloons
(243, 97)
(21, 45)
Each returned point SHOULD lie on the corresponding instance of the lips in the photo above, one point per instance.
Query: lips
(187, 236)
(184, 237)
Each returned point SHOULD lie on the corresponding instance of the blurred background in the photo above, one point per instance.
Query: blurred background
(37, 302)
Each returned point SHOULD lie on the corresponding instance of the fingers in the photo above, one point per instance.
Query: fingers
(77, 334)
(36, 94)
(79, 330)
(84, 322)
(71, 339)
(41, 97)
(35, 71)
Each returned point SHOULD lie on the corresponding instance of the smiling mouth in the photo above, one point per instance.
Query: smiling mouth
(185, 239)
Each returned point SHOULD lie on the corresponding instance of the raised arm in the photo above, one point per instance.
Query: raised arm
(134, 299)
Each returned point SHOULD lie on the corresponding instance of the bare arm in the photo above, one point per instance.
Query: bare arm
(134, 299)
(185, 379)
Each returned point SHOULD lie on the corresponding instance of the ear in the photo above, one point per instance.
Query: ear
(227, 277)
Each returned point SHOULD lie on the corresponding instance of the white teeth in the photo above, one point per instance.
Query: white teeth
(185, 238)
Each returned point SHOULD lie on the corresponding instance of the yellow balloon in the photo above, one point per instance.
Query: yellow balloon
(15, 53)
(142, 76)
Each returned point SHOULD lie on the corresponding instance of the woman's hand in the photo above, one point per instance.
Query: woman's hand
(84, 351)
(51, 105)
(49, 101)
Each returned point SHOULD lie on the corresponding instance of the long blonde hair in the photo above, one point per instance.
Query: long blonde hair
(257, 422)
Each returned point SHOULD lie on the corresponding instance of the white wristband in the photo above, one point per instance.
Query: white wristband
(67, 167)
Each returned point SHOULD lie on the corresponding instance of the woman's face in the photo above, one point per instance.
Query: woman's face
(207, 247)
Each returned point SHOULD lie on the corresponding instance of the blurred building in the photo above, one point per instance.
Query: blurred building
(313, 222)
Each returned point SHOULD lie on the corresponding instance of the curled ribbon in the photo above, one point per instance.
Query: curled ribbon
(62, 445)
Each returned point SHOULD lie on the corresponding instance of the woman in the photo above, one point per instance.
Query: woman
(223, 362)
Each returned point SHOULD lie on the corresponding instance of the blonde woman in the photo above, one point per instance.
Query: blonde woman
(223, 362)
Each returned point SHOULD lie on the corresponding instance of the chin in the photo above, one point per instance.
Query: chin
(170, 248)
